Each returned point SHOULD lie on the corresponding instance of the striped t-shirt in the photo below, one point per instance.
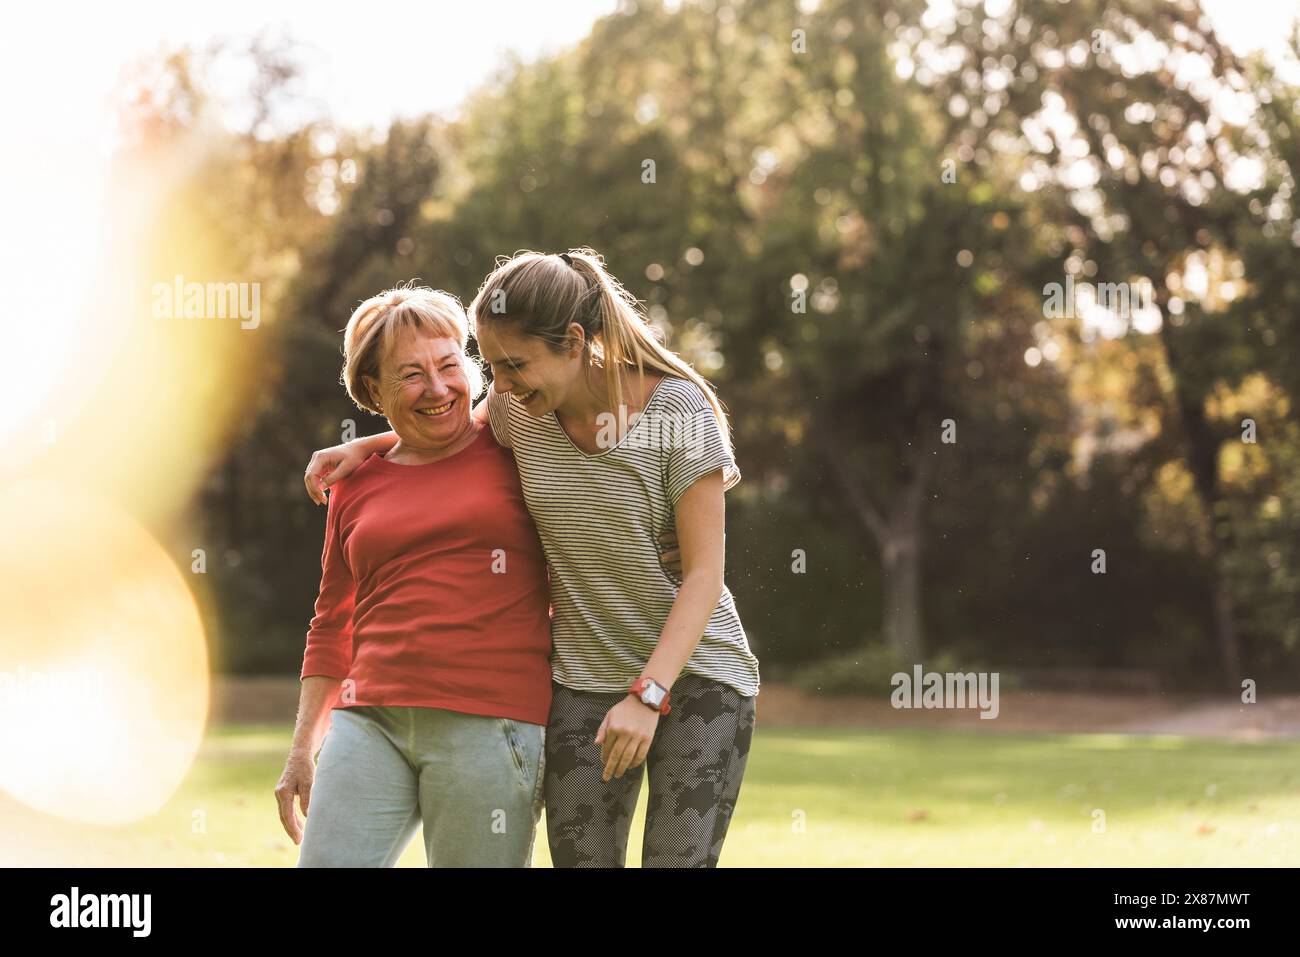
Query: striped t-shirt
(599, 517)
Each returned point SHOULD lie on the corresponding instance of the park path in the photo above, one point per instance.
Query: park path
(274, 700)
(1051, 711)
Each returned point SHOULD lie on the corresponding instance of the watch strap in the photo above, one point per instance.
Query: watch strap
(638, 686)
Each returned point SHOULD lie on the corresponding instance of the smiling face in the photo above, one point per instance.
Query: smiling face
(423, 390)
(529, 368)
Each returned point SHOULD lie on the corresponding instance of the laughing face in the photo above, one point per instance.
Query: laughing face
(424, 391)
(538, 376)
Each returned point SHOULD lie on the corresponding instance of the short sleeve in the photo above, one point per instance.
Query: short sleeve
(329, 637)
(696, 444)
(498, 404)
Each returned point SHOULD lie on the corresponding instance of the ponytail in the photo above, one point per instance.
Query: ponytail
(547, 293)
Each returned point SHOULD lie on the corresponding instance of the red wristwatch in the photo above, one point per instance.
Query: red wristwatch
(651, 693)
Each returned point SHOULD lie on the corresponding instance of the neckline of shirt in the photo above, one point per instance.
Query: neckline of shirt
(618, 445)
(376, 460)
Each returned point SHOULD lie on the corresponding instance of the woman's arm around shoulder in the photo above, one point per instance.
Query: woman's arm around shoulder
(329, 466)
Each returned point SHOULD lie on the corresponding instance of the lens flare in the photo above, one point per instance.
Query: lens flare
(103, 664)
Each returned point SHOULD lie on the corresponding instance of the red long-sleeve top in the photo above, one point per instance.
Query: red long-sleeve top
(434, 588)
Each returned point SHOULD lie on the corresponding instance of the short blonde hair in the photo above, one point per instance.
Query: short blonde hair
(376, 323)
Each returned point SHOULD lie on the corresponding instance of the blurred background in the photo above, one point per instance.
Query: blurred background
(1003, 297)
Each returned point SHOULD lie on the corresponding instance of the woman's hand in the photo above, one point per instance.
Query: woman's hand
(625, 736)
(670, 555)
(296, 781)
(329, 466)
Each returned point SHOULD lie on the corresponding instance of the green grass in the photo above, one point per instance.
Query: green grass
(815, 796)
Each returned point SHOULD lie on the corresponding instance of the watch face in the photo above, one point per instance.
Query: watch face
(653, 695)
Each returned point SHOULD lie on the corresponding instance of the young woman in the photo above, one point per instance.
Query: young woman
(616, 440)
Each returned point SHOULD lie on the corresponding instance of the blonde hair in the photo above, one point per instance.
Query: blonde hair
(377, 322)
(545, 293)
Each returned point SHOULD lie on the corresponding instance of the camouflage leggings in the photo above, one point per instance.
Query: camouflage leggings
(695, 765)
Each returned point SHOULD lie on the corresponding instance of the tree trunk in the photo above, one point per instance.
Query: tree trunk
(901, 564)
(1225, 625)
(898, 538)
(1203, 462)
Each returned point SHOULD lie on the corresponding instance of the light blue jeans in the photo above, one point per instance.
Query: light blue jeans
(474, 782)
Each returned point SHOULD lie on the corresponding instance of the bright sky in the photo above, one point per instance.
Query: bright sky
(368, 62)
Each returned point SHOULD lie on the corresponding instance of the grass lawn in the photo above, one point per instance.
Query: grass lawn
(816, 796)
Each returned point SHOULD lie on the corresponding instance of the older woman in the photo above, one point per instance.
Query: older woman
(428, 653)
